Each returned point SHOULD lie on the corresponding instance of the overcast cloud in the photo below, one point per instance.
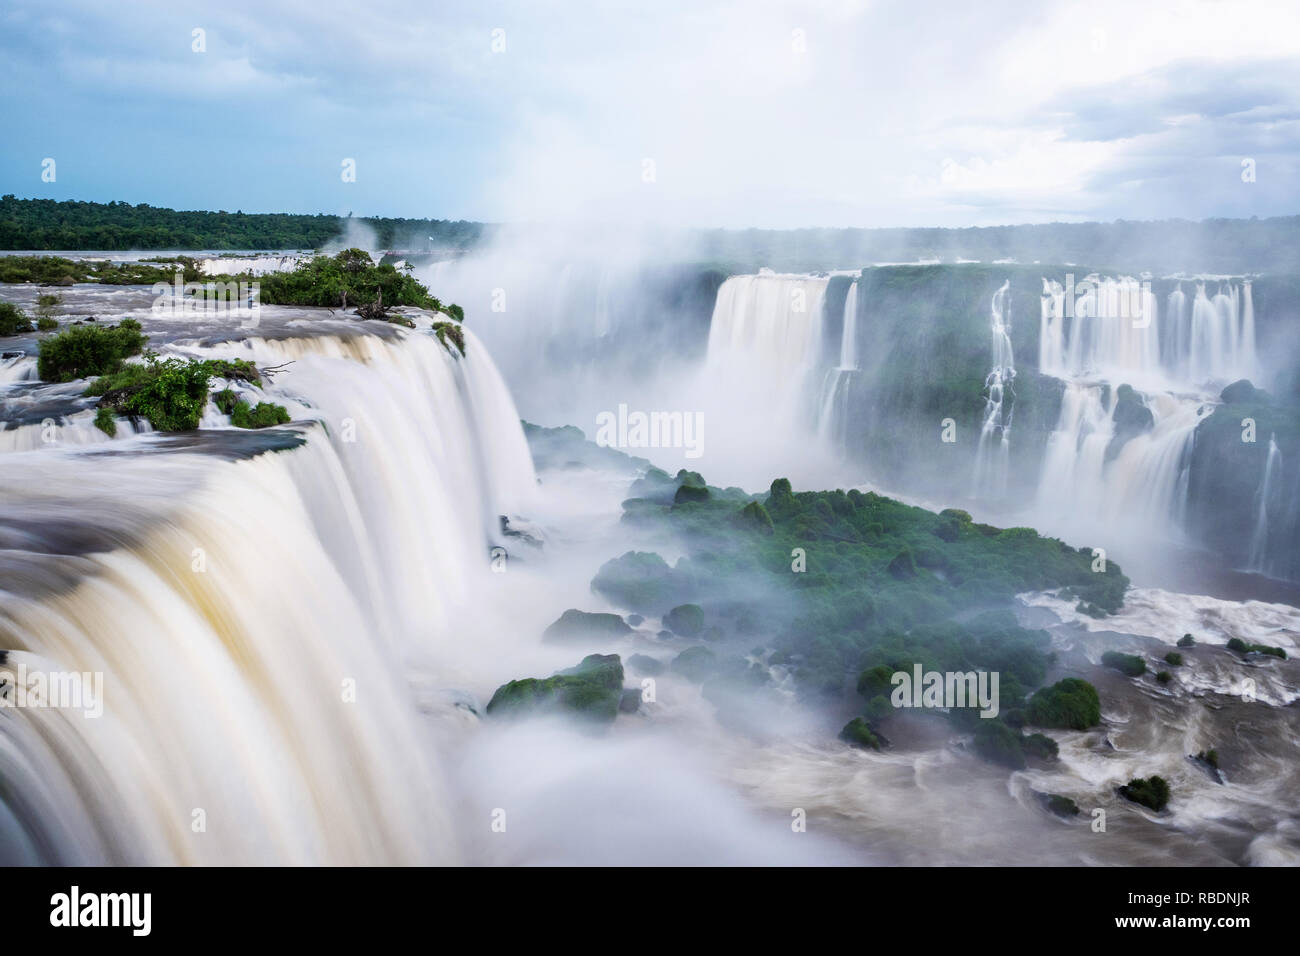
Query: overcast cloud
(754, 113)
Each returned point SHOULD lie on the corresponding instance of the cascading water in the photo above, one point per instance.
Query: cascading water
(764, 345)
(833, 416)
(993, 455)
(1133, 478)
(258, 604)
(1259, 552)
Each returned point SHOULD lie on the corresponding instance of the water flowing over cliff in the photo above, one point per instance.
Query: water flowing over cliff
(259, 605)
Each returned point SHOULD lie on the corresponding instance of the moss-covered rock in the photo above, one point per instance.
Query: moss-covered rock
(1061, 806)
(592, 691)
(641, 581)
(685, 620)
(695, 663)
(1152, 792)
(1128, 664)
(1241, 647)
(586, 626)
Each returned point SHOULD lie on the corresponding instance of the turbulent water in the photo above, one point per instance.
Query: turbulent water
(297, 628)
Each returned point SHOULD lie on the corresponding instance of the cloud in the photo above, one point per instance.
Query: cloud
(763, 113)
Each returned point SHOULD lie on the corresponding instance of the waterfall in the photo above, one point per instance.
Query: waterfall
(849, 338)
(833, 414)
(1051, 329)
(1249, 364)
(993, 455)
(257, 265)
(1177, 335)
(1115, 329)
(259, 617)
(1259, 557)
(765, 341)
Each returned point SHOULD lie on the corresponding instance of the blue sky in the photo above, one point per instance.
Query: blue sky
(744, 113)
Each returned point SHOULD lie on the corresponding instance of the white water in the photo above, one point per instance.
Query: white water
(993, 455)
(1259, 537)
(765, 337)
(833, 413)
(1116, 337)
(346, 563)
(257, 265)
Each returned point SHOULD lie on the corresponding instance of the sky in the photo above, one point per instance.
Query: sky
(732, 113)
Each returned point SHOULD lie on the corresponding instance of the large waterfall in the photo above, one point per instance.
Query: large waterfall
(1122, 458)
(259, 612)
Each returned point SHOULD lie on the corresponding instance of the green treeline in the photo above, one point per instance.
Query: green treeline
(47, 224)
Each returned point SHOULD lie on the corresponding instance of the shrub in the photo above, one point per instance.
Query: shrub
(1186, 641)
(1040, 745)
(173, 397)
(46, 324)
(1174, 659)
(1128, 664)
(12, 320)
(261, 415)
(998, 743)
(1211, 757)
(1164, 677)
(1152, 792)
(755, 516)
(857, 732)
(1069, 704)
(225, 400)
(106, 422)
(1237, 644)
(86, 350)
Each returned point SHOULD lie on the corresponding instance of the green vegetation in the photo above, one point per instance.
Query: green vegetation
(1128, 664)
(591, 691)
(106, 422)
(858, 733)
(1164, 677)
(1186, 641)
(1241, 647)
(86, 350)
(1210, 757)
(46, 224)
(61, 271)
(349, 279)
(1174, 659)
(581, 625)
(13, 321)
(261, 415)
(1152, 792)
(1069, 704)
(171, 393)
(842, 589)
